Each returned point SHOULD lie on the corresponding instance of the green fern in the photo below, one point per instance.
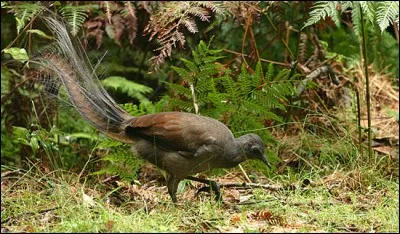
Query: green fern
(198, 73)
(23, 12)
(321, 10)
(369, 9)
(356, 19)
(383, 13)
(387, 13)
(120, 161)
(128, 87)
(145, 107)
(243, 103)
(76, 15)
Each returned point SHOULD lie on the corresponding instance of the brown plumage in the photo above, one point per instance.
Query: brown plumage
(180, 143)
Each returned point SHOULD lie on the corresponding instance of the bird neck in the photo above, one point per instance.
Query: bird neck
(235, 152)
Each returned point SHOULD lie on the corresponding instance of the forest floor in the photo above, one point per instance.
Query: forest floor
(361, 198)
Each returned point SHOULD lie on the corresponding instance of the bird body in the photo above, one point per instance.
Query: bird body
(180, 143)
(196, 142)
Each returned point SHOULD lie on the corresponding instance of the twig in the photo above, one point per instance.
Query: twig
(314, 74)
(261, 59)
(287, 41)
(244, 173)
(196, 107)
(276, 30)
(12, 43)
(255, 43)
(243, 42)
(255, 185)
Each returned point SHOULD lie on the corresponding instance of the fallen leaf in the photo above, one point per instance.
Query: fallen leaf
(232, 195)
(235, 218)
(87, 200)
(29, 228)
(109, 225)
(245, 198)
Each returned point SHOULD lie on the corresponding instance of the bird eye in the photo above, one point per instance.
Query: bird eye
(256, 151)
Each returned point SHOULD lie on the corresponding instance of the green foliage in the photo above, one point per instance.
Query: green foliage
(17, 53)
(145, 108)
(321, 10)
(223, 87)
(23, 12)
(128, 87)
(40, 33)
(120, 160)
(387, 13)
(377, 15)
(172, 17)
(76, 15)
(56, 145)
(243, 103)
(5, 81)
(384, 12)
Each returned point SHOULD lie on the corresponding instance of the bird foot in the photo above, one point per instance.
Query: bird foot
(215, 188)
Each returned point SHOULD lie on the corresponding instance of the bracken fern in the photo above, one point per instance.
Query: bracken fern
(244, 104)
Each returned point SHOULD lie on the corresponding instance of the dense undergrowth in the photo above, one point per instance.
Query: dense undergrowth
(251, 65)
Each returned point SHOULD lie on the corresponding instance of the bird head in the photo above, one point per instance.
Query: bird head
(253, 147)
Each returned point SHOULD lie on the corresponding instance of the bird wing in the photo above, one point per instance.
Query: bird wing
(178, 131)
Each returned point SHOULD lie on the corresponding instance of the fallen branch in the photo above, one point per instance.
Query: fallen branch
(255, 185)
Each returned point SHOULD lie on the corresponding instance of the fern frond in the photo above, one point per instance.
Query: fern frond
(129, 9)
(108, 143)
(202, 13)
(321, 10)
(183, 105)
(244, 103)
(180, 89)
(369, 10)
(356, 19)
(302, 48)
(245, 83)
(121, 163)
(24, 11)
(129, 13)
(344, 5)
(108, 11)
(189, 24)
(183, 73)
(216, 7)
(269, 76)
(168, 23)
(76, 15)
(190, 65)
(208, 70)
(387, 13)
(131, 88)
(230, 87)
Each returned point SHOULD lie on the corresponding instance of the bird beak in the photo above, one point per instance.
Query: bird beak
(265, 160)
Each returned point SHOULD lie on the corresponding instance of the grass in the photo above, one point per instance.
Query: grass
(358, 197)
(327, 186)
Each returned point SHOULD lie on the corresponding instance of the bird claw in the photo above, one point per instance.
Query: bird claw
(203, 189)
(218, 196)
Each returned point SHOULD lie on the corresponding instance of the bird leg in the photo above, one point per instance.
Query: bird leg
(173, 187)
(213, 186)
